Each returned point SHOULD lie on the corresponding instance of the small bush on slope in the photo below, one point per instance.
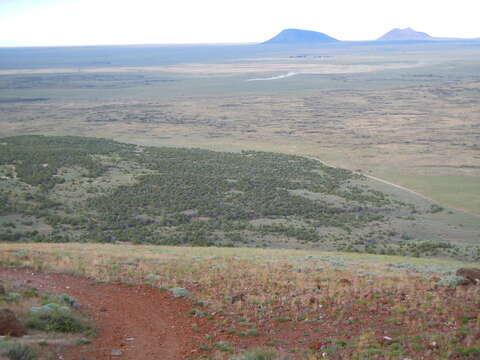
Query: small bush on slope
(55, 319)
(257, 354)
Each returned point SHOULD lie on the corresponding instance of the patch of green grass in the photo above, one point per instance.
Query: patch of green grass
(257, 354)
(458, 191)
(252, 332)
(11, 297)
(62, 299)
(30, 292)
(469, 353)
(223, 346)
(16, 351)
(83, 341)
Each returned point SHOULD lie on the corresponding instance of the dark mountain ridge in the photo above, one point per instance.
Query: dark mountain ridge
(297, 36)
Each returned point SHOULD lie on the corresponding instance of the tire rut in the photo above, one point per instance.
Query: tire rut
(141, 321)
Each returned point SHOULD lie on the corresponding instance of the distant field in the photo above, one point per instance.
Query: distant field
(406, 113)
(456, 190)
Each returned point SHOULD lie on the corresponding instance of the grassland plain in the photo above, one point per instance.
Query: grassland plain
(303, 304)
(57, 189)
(405, 113)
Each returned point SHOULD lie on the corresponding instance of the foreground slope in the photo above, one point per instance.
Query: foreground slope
(303, 304)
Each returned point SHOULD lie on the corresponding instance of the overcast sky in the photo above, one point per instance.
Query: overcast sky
(95, 22)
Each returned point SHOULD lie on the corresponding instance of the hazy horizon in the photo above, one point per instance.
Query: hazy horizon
(86, 22)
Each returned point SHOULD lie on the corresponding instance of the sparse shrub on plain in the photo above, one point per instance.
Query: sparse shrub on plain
(179, 292)
(224, 346)
(257, 354)
(15, 351)
(49, 298)
(30, 292)
(450, 280)
(11, 297)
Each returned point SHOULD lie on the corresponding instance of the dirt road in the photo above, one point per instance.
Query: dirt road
(140, 321)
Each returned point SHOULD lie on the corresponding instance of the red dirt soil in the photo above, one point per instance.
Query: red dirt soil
(154, 319)
(147, 323)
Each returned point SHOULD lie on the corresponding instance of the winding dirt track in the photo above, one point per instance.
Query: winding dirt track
(397, 186)
(153, 321)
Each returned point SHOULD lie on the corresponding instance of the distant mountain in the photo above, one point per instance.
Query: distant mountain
(405, 35)
(296, 36)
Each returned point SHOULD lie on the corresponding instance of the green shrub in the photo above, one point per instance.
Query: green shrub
(450, 280)
(257, 354)
(469, 353)
(19, 352)
(54, 319)
(12, 297)
(30, 292)
(179, 292)
(49, 298)
(223, 346)
(83, 341)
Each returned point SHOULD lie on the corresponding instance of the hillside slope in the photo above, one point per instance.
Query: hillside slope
(57, 189)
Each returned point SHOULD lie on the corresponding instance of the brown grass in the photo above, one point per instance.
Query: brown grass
(310, 300)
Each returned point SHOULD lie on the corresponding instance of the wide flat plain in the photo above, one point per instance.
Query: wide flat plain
(405, 113)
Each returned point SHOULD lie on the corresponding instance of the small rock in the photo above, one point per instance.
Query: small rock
(466, 282)
(9, 324)
(320, 345)
(386, 340)
(471, 275)
(238, 297)
(116, 352)
(103, 309)
(345, 282)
